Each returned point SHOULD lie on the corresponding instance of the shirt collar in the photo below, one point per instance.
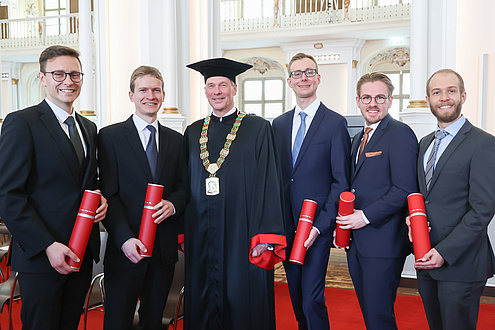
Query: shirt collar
(310, 110)
(231, 111)
(60, 113)
(373, 126)
(454, 128)
(141, 124)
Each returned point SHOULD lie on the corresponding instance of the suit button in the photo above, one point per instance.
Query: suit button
(353, 190)
(291, 180)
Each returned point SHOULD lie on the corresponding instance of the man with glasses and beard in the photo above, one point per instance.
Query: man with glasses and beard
(455, 174)
(383, 174)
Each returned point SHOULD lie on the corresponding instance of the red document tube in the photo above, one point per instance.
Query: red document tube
(419, 225)
(83, 225)
(346, 207)
(304, 226)
(148, 226)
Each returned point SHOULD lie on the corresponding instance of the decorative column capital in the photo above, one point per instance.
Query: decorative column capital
(87, 113)
(169, 110)
(417, 104)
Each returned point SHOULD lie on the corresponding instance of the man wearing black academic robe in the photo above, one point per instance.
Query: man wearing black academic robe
(225, 287)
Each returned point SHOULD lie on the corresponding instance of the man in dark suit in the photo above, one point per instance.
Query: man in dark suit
(458, 182)
(48, 159)
(126, 168)
(383, 175)
(315, 165)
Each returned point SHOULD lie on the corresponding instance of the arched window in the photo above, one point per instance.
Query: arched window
(262, 89)
(264, 96)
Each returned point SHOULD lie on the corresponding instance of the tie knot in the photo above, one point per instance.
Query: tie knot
(440, 134)
(368, 130)
(151, 128)
(70, 121)
(303, 115)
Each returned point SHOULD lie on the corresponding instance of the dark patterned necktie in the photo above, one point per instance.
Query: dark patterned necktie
(151, 150)
(75, 139)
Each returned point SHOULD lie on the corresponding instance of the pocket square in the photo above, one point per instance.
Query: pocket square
(373, 154)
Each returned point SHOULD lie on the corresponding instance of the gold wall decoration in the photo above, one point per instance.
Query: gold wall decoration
(398, 55)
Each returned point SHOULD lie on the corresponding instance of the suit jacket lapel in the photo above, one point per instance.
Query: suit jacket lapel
(162, 150)
(313, 128)
(286, 143)
(90, 146)
(377, 135)
(356, 141)
(61, 139)
(421, 169)
(459, 137)
(137, 147)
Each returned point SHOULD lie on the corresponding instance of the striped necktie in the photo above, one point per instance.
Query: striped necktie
(299, 137)
(364, 141)
(430, 164)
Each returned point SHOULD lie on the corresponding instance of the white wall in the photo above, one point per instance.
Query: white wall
(474, 38)
(333, 87)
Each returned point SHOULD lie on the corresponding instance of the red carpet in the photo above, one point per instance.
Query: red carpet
(343, 316)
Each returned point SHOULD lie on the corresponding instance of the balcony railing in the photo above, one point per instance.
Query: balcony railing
(39, 31)
(248, 15)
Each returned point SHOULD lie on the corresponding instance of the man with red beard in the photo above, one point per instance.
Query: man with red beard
(455, 174)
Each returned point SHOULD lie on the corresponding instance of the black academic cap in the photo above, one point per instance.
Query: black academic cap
(219, 67)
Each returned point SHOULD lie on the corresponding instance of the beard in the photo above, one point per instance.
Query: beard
(446, 117)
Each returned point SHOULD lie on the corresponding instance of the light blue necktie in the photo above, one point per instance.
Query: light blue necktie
(430, 164)
(299, 137)
(151, 150)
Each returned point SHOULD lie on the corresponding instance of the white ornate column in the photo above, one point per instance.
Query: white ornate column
(159, 48)
(214, 28)
(87, 104)
(417, 114)
(171, 115)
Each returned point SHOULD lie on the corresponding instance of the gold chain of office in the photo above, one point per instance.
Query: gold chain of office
(212, 168)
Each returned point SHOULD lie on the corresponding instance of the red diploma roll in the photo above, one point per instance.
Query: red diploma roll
(346, 207)
(304, 226)
(148, 226)
(82, 228)
(419, 225)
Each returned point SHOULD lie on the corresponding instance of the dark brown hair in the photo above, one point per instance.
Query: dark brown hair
(56, 51)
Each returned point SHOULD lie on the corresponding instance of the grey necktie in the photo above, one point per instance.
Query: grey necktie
(75, 139)
(299, 137)
(151, 150)
(430, 164)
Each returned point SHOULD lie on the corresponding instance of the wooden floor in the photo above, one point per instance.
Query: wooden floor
(338, 276)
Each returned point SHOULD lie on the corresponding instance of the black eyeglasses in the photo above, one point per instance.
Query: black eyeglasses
(298, 74)
(60, 76)
(380, 99)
